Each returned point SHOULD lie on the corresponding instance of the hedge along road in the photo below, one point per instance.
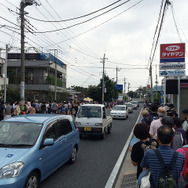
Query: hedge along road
(96, 159)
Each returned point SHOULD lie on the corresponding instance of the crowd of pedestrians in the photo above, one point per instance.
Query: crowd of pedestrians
(159, 148)
(31, 107)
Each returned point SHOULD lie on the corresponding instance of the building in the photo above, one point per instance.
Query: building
(39, 75)
(2, 74)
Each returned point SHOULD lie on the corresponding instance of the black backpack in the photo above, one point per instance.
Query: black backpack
(167, 178)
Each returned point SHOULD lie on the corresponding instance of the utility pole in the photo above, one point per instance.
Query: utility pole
(55, 56)
(55, 61)
(5, 71)
(22, 85)
(128, 86)
(124, 85)
(117, 74)
(156, 82)
(150, 73)
(103, 79)
(23, 4)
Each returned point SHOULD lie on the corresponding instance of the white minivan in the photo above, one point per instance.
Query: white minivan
(92, 119)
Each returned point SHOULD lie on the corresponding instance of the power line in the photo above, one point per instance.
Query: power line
(8, 21)
(101, 23)
(156, 29)
(55, 30)
(70, 19)
(85, 47)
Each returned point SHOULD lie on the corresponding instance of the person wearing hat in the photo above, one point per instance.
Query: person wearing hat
(155, 124)
(178, 138)
(185, 118)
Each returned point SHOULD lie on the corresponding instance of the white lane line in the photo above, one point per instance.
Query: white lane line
(111, 180)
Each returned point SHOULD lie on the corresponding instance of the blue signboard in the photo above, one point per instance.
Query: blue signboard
(119, 87)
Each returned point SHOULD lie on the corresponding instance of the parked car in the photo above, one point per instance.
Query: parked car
(119, 112)
(135, 105)
(92, 119)
(130, 107)
(33, 146)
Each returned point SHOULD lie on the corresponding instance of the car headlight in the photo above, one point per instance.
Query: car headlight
(11, 170)
(78, 123)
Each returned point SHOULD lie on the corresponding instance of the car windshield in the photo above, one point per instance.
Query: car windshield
(129, 105)
(18, 134)
(119, 108)
(89, 112)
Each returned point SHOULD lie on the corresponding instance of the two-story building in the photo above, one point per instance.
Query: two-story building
(40, 71)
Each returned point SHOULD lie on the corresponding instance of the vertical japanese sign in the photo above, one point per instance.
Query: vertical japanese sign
(172, 52)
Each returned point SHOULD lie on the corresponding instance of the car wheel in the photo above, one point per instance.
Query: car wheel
(32, 181)
(73, 156)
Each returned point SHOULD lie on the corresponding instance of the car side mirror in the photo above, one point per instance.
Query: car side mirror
(48, 142)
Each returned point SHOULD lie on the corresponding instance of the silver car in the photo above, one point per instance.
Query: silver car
(119, 112)
(130, 107)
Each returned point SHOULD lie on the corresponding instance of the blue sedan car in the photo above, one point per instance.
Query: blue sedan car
(33, 146)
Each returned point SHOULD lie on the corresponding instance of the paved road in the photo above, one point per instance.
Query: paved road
(96, 159)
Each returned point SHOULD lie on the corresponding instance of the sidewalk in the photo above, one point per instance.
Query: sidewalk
(127, 175)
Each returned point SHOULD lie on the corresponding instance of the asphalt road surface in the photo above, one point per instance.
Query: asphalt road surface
(96, 159)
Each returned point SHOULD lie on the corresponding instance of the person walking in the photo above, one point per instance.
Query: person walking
(141, 131)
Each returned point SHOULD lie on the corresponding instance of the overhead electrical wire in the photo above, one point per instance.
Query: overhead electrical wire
(51, 23)
(154, 45)
(55, 30)
(101, 23)
(70, 19)
(75, 40)
(156, 29)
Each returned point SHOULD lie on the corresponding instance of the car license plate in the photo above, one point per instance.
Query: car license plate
(87, 128)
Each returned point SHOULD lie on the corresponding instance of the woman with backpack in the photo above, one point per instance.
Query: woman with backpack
(141, 131)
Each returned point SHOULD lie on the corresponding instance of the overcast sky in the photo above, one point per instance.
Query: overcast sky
(124, 35)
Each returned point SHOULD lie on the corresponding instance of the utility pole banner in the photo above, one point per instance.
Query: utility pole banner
(172, 52)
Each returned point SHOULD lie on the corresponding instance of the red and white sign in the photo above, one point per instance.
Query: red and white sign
(172, 52)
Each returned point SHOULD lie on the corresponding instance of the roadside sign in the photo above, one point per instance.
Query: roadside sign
(172, 52)
(165, 66)
(176, 73)
(119, 87)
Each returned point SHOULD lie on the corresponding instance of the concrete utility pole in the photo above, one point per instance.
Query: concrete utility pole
(103, 79)
(124, 84)
(23, 4)
(117, 69)
(150, 73)
(5, 71)
(55, 61)
(22, 85)
(55, 56)
(128, 86)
